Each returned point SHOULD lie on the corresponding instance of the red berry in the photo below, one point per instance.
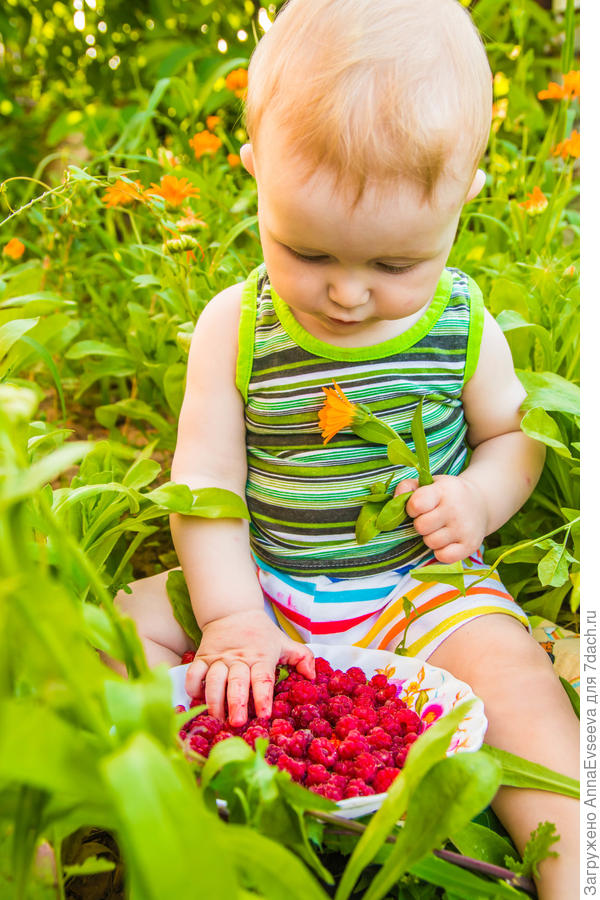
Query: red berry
(365, 766)
(349, 723)
(322, 667)
(304, 714)
(199, 744)
(384, 758)
(352, 745)
(378, 681)
(316, 774)
(179, 708)
(206, 725)
(386, 693)
(281, 726)
(341, 683)
(323, 751)
(400, 757)
(298, 744)
(321, 728)
(394, 704)
(296, 767)
(338, 707)
(357, 675)
(392, 724)
(272, 754)
(379, 739)
(344, 767)
(220, 736)
(303, 692)
(281, 709)
(253, 733)
(366, 714)
(358, 788)
(384, 778)
(364, 695)
(188, 657)
(410, 738)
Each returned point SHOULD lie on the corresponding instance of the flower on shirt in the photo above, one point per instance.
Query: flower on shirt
(536, 202)
(337, 413)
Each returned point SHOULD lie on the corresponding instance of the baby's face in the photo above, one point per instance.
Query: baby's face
(351, 277)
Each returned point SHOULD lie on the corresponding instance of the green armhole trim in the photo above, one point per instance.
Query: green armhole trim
(245, 357)
(475, 329)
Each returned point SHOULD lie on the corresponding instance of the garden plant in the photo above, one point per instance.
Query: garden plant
(123, 210)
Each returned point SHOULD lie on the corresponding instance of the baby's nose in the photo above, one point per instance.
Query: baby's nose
(348, 292)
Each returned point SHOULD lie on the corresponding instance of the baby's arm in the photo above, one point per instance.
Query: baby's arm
(455, 513)
(240, 644)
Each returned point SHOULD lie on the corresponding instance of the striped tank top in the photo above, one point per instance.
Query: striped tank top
(304, 497)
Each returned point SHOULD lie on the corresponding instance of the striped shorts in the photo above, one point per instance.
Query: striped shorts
(387, 611)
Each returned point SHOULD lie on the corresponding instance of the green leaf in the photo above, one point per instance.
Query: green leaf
(141, 473)
(400, 454)
(464, 885)
(83, 349)
(572, 695)
(393, 513)
(536, 850)
(481, 843)
(218, 503)
(366, 527)
(541, 427)
(553, 568)
(182, 608)
(522, 773)
(29, 481)
(455, 790)
(93, 865)
(13, 331)
(550, 392)
(420, 441)
(451, 573)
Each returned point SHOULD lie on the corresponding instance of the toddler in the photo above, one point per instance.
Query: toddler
(367, 120)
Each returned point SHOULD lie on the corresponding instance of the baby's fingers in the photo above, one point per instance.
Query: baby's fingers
(215, 688)
(238, 686)
(195, 676)
(263, 681)
(300, 656)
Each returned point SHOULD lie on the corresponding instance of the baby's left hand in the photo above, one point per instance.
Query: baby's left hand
(450, 514)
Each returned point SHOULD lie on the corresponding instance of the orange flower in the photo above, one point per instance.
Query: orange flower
(212, 122)
(337, 413)
(121, 193)
(568, 147)
(565, 91)
(237, 81)
(190, 221)
(173, 190)
(536, 201)
(167, 158)
(204, 142)
(14, 249)
(233, 159)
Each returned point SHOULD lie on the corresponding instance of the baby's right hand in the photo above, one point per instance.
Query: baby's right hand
(239, 651)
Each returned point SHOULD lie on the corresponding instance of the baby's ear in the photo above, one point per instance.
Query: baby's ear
(247, 157)
(476, 185)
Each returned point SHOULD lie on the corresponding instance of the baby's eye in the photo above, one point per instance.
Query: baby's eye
(306, 257)
(395, 270)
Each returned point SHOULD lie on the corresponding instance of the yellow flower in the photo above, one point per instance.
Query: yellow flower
(536, 201)
(337, 412)
(568, 147)
(212, 122)
(501, 84)
(173, 190)
(14, 249)
(121, 193)
(205, 143)
(233, 160)
(237, 81)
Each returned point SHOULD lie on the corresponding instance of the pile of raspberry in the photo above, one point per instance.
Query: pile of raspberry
(341, 735)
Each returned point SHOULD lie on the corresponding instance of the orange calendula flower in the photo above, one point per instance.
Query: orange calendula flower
(568, 147)
(233, 160)
(205, 143)
(237, 81)
(14, 249)
(338, 412)
(536, 201)
(212, 122)
(173, 190)
(122, 193)
(190, 221)
(565, 91)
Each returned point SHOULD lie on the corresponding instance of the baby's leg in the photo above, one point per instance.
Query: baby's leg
(529, 714)
(163, 639)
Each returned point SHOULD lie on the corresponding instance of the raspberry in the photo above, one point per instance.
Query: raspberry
(321, 728)
(188, 657)
(366, 714)
(379, 739)
(303, 692)
(296, 767)
(220, 736)
(281, 709)
(365, 766)
(323, 751)
(344, 767)
(206, 725)
(179, 708)
(263, 721)
(183, 734)
(297, 745)
(340, 683)
(410, 718)
(386, 693)
(378, 681)
(338, 707)
(395, 704)
(281, 726)
(199, 700)
(391, 723)
(357, 675)
(358, 788)
(349, 723)
(397, 744)
(400, 757)
(199, 744)
(303, 715)
(272, 754)
(281, 740)
(253, 733)
(316, 774)
(384, 778)
(364, 695)
(351, 746)
(410, 738)
(331, 791)
(281, 691)
(322, 667)
(322, 692)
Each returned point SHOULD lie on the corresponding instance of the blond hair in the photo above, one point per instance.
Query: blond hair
(374, 90)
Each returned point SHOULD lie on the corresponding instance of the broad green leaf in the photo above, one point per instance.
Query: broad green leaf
(553, 568)
(182, 608)
(83, 349)
(132, 409)
(542, 427)
(93, 865)
(146, 280)
(141, 473)
(89, 491)
(427, 750)
(420, 441)
(234, 749)
(393, 513)
(366, 527)
(520, 772)
(451, 573)
(218, 503)
(174, 497)
(400, 454)
(142, 704)
(45, 470)
(13, 331)
(550, 392)
(481, 843)
(455, 790)
(572, 695)
(464, 885)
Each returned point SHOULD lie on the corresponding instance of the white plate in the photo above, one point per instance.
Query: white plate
(430, 691)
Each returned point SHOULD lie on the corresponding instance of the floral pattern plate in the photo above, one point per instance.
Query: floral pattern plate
(430, 691)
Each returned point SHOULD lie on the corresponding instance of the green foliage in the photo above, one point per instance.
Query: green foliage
(537, 849)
